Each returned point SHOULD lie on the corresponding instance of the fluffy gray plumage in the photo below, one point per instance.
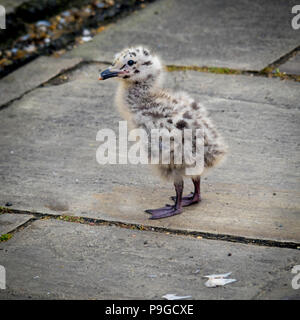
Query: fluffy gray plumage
(144, 104)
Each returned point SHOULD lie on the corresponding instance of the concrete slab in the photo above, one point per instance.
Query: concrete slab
(48, 156)
(11, 5)
(240, 34)
(292, 66)
(32, 75)
(9, 222)
(52, 259)
(236, 210)
(268, 92)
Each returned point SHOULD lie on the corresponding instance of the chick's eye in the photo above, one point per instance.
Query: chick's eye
(130, 62)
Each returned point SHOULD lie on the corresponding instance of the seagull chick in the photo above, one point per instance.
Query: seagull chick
(144, 104)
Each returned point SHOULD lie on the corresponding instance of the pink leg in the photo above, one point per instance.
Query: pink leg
(169, 210)
(194, 197)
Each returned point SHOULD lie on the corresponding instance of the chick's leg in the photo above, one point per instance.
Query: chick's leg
(169, 210)
(193, 197)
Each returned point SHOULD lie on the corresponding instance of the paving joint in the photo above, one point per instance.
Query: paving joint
(281, 60)
(227, 71)
(134, 226)
(266, 72)
(7, 236)
(62, 77)
(62, 72)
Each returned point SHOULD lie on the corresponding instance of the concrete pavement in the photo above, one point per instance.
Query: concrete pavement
(48, 165)
(33, 75)
(61, 260)
(292, 66)
(241, 34)
(50, 133)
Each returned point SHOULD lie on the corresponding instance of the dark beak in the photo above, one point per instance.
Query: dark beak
(106, 74)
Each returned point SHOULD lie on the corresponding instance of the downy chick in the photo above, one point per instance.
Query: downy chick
(144, 104)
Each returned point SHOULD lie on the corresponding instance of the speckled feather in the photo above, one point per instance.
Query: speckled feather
(144, 104)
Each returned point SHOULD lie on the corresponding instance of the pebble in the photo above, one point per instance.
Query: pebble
(40, 34)
(110, 2)
(86, 39)
(66, 13)
(26, 37)
(86, 32)
(43, 23)
(100, 5)
(8, 53)
(30, 48)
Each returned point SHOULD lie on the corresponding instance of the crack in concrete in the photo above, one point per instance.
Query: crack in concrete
(266, 72)
(283, 59)
(19, 227)
(133, 226)
(41, 85)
